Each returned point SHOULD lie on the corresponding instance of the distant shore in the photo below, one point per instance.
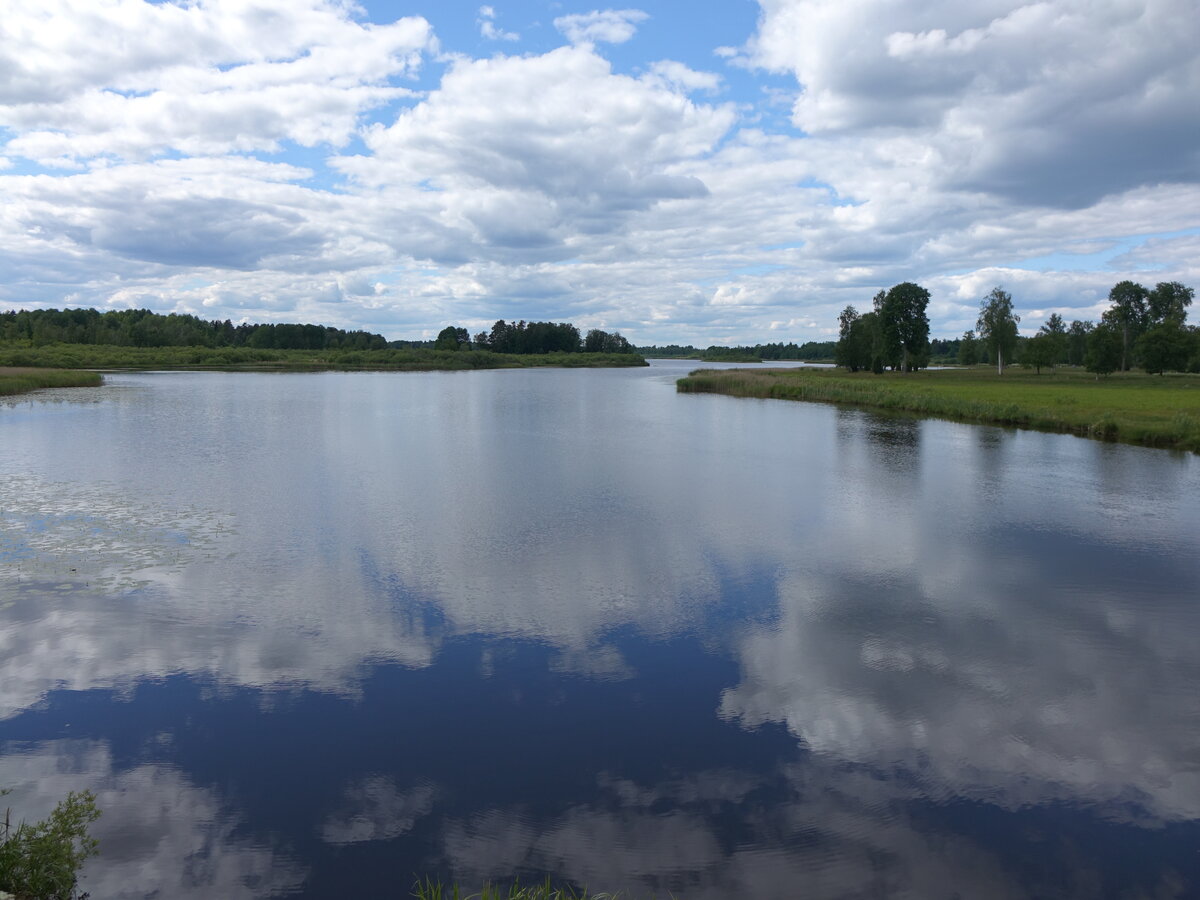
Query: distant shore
(20, 379)
(1131, 407)
(105, 356)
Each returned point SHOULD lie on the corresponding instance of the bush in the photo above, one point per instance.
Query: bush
(42, 860)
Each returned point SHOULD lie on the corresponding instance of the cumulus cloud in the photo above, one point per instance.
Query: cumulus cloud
(489, 29)
(1056, 103)
(609, 26)
(133, 79)
(957, 146)
(530, 156)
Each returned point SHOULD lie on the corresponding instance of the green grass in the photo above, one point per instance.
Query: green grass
(103, 356)
(1152, 410)
(20, 380)
(435, 890)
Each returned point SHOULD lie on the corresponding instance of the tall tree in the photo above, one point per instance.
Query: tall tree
(1104, 349)
(1055, 330)
(847, 352)
(904, 324)
(1166, 347)
(1077, 341)
(1168, 302)
(968, 349)
(1128, 314)
(997, 325)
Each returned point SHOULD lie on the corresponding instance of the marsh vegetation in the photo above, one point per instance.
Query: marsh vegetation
(1130, 407)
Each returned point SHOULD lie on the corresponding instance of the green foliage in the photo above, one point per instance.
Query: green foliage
(1135, 408)
(1167, 347)
(1168, 302)
(41, 861)
(1128, 315)
(997, 325)
(904, 326)
(389, 359)
(1105, 350)
(598, 341)
(451, 338)
(1077, 335)
(18, 381)
(1040, 351)
(143, 328)
(968, 349)
(531, 337)
(1055, 332)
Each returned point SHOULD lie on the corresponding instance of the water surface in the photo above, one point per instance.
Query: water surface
(313, 635)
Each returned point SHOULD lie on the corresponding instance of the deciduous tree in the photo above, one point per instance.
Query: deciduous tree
(997, 325)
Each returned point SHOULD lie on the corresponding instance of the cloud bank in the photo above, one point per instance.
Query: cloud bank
(282, 161)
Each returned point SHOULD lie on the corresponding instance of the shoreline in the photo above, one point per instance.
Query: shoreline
(1143, 410)
(15, 380)
(104, 356)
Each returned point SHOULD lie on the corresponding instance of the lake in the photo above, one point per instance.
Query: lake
(315, 635)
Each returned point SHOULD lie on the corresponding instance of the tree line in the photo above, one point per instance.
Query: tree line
(143, 328)
(1143, 327)
(533, 337)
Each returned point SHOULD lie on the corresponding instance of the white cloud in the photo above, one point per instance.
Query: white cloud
(943, 143)
(609, 26)
(535, 158)
(1056, 103)
(489, 29)
(132, 79)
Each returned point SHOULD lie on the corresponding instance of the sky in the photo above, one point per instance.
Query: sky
(691, 172)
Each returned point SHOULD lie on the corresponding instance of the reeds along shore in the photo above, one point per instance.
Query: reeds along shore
(106, 356)
(1151, 410)
(20, 380)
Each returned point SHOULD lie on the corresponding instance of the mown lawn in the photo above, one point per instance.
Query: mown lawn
(1154, 410)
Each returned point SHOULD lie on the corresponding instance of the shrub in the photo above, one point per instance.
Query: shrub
(42, 860)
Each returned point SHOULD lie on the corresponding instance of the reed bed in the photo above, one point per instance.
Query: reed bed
(106, 356)
(19, 380)
(1135, 408)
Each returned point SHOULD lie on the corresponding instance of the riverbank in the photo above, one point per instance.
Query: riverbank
(104, 356)
(18, 380)
(1151, 410)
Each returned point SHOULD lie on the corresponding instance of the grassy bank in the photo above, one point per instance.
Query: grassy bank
(15, 380)
(103, 356)
(1152, 410)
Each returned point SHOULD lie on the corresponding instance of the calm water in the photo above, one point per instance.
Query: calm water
(313, 635)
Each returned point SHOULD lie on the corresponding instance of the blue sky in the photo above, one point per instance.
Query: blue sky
(693, 172)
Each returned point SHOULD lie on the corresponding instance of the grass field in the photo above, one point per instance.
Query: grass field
(1153, 410)
(14, 380)
(104, 356)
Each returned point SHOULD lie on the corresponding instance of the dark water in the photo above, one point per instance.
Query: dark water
(314, 635)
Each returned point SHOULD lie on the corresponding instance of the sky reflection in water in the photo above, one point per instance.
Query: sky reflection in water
(315, 634)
